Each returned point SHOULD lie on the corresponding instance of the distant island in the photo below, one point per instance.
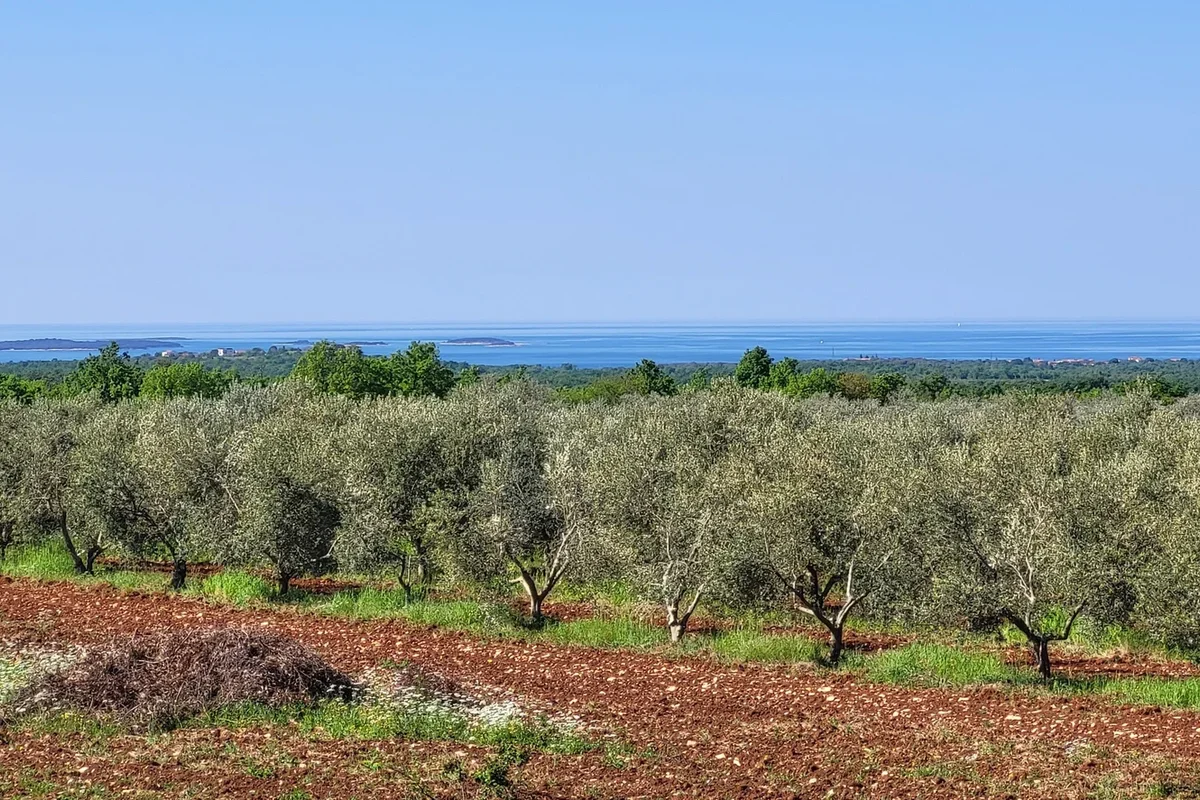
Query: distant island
(88, 344)
(485, 341)
(369, 344)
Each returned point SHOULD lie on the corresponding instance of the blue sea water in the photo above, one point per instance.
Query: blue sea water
(596, 345)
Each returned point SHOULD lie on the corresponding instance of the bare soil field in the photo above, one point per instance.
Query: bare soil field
(691, 726)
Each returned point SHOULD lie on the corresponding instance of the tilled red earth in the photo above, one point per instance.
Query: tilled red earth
(695, 727)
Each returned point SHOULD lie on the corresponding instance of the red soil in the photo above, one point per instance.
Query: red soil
(711, 730)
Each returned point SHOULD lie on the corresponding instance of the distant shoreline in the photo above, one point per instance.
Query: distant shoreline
(76, 345)
(480, 341)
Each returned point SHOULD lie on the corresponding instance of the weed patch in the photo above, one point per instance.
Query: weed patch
(40, 562)
(939, 665)
(236, 588)
(752, 645)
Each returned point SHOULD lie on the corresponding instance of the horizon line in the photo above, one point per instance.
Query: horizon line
(628, 323)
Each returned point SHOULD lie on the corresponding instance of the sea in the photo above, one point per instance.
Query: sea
(618, 345)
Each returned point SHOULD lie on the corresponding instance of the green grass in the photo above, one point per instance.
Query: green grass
(489, 619)
(374, 721)
(235, 588)
(940, 665)
(41, 562)
(66, 723)
(367, 603)
(605, 632)
(50, 562)
(614, 593)
(747, 644)
(13, 677)
(1161, 692)
(924, 664)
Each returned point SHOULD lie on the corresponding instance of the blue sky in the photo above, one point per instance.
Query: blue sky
(615, 161)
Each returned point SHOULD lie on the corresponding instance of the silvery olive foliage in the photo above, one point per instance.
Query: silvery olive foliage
(657, 490)
(182, 455)
(46, 499)
(105, 486)
(533, 511)
(1032, 511)
(399, 480)
(285, 489)
(820, 507)
(1167, 584)
(519, 459)
(1041, 517)
(13, 419)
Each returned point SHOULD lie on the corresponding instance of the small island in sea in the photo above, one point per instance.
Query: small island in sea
(481, 341)
(87, 344)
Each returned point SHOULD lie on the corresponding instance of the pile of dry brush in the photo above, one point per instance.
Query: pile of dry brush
(157, 680)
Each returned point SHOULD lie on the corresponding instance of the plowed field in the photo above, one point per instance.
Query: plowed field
(694, 727)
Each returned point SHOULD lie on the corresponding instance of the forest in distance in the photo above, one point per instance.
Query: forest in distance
(1032, 510)
(345, 369)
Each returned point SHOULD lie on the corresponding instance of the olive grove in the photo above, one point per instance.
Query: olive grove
(1031, 511)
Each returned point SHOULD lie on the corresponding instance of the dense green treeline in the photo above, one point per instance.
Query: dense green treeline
(1035, 510)
(419, 369)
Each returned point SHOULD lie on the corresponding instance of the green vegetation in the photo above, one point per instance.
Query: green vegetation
(164, 381)
(236, 588)
(937, 665)
(942, 665)
(969, 663)
(51, 562)
(419, 370)
(46, 562)
(1039, 513)
(410, 722)
(747, 644)
(1159, 692)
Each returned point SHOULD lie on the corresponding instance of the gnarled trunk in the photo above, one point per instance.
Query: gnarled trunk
(1041, 656)
(402, 578)
(536, 596)
(179, 574)
(90, 559)
(836, 643)
(527, 577)
(677, 618)
(812, 596)
(676, 623)
(1039, 642)
(64, 530)
(7, 530)
(285, 583)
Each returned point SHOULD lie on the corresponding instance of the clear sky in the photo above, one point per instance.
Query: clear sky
(605, 161)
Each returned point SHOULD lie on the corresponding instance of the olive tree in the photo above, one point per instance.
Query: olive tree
(13, 421)
(532, 509)
(1168, 511)
(45, 495)
(285, 494)
(818, 506)
(106, 490)
(397, 478)
(654, 478)
(182, 456)
(1030, 552)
